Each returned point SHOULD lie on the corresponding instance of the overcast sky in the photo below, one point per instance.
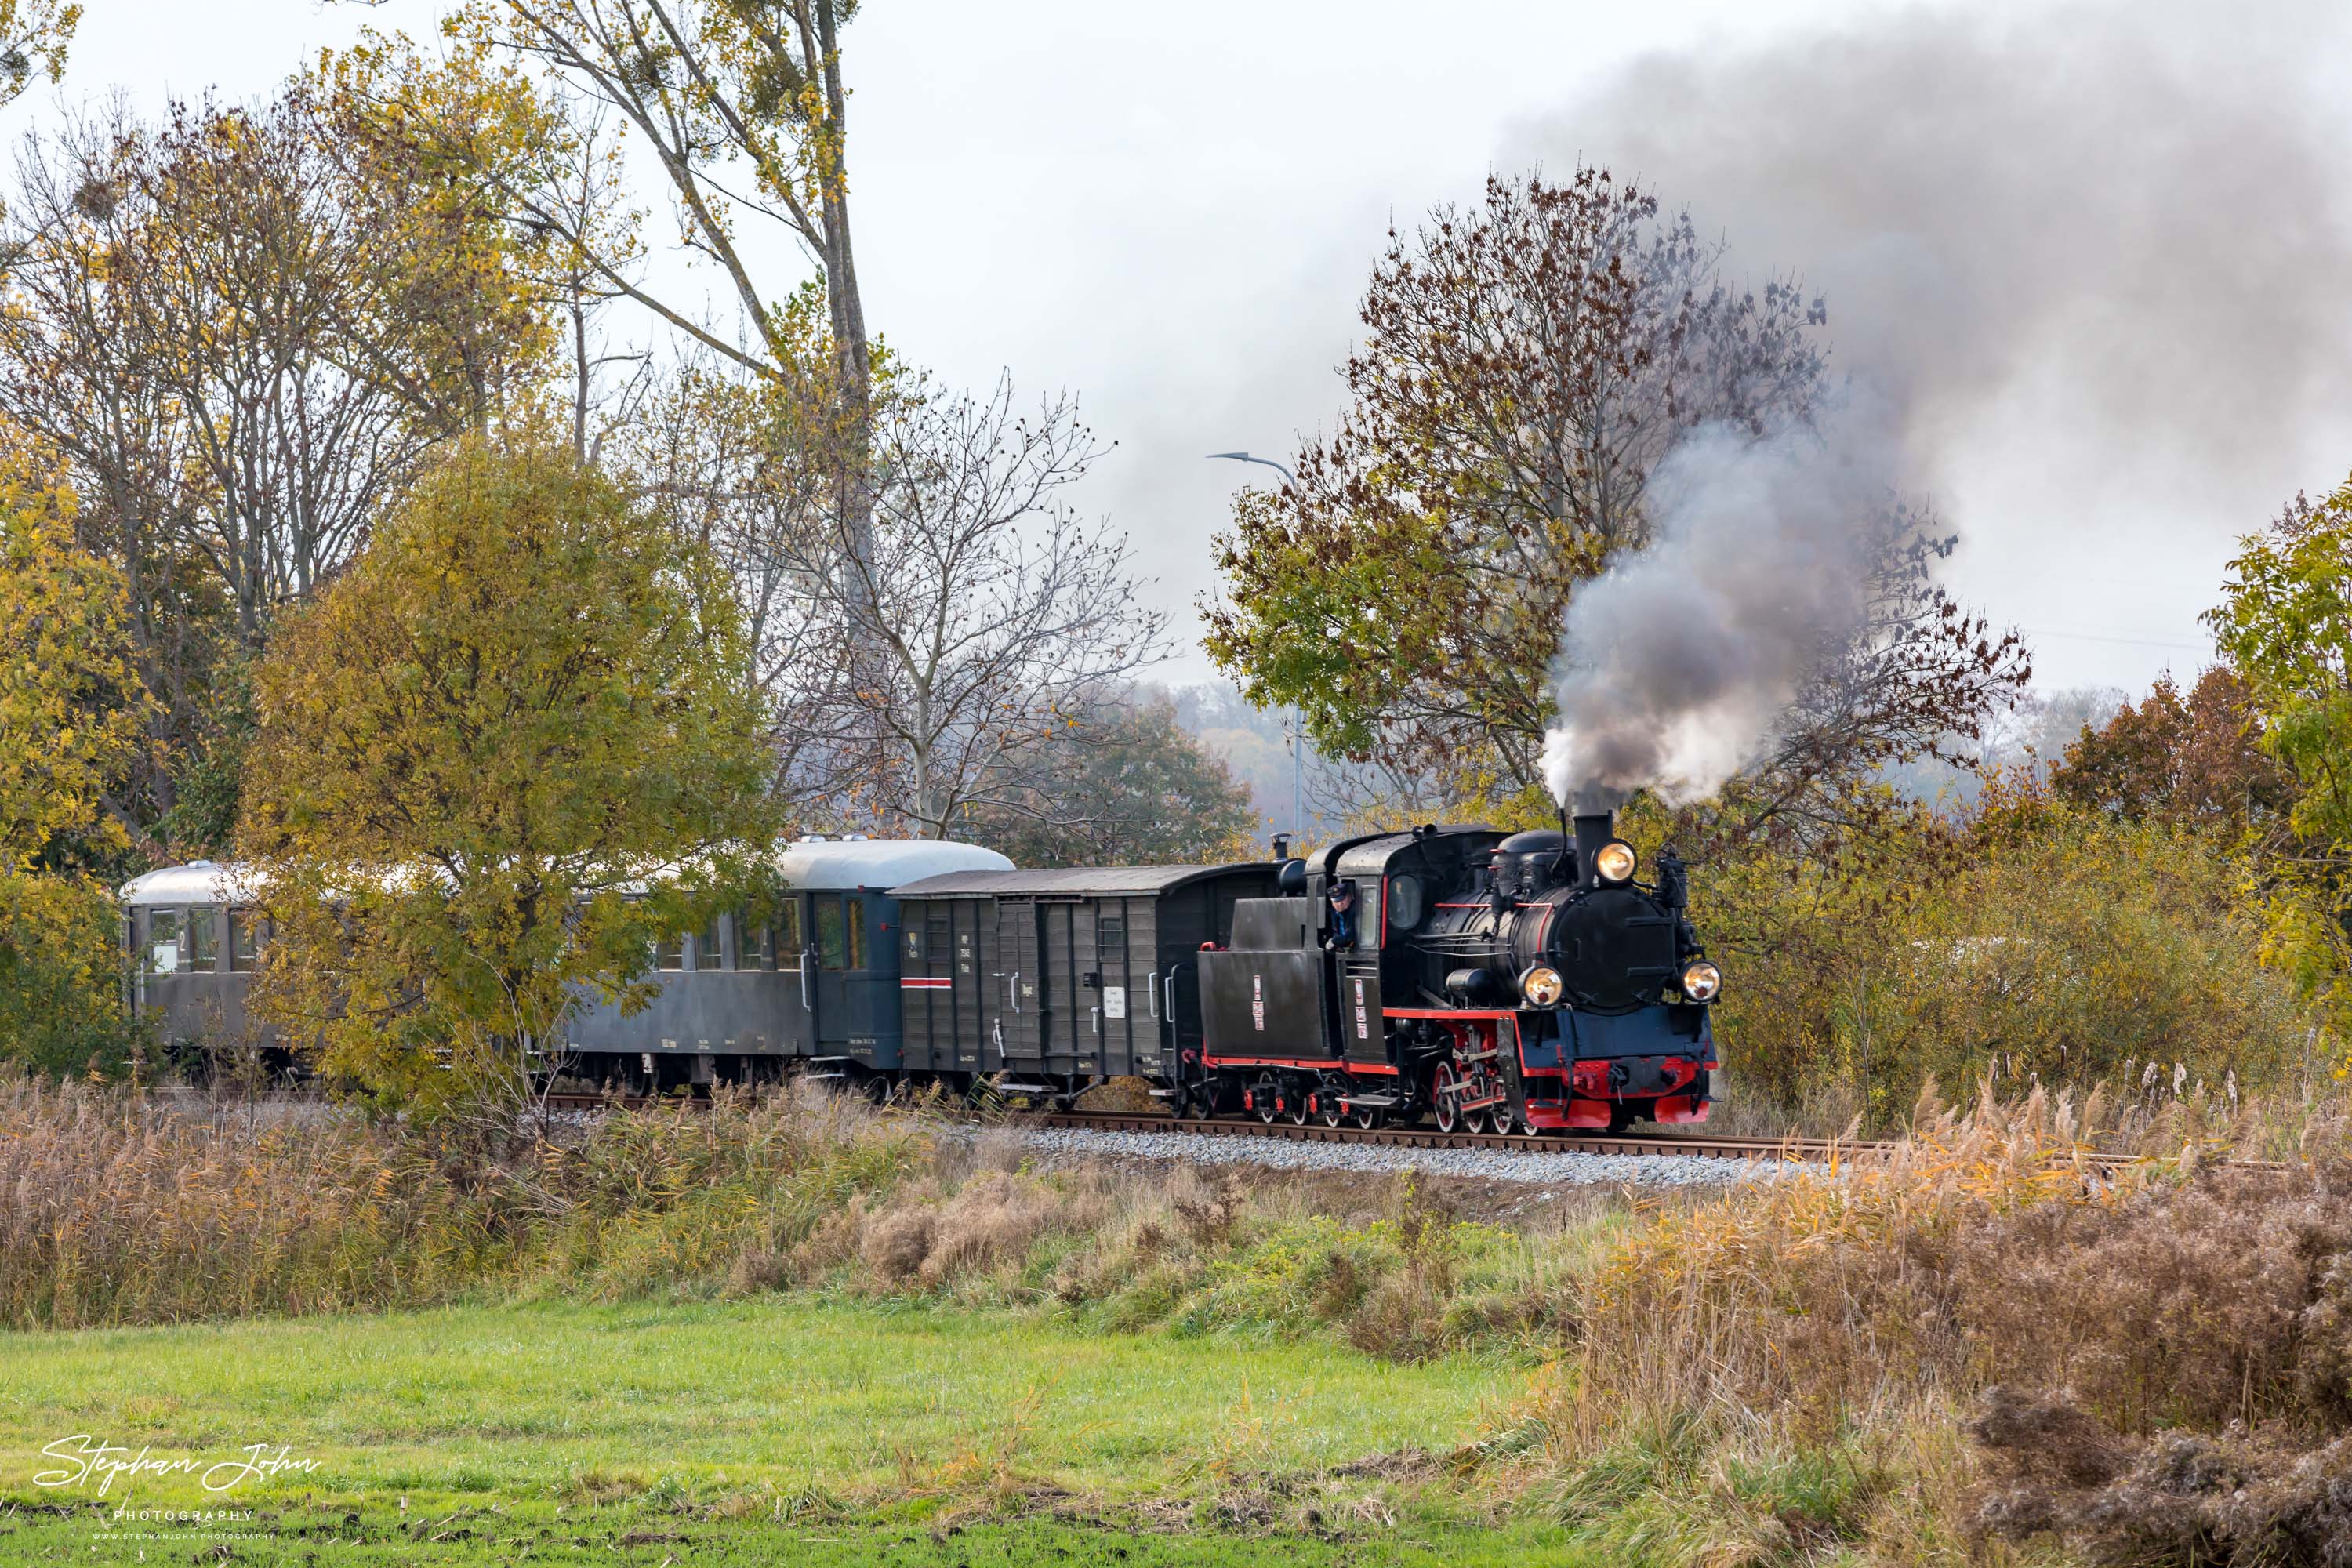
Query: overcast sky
(1171, 210)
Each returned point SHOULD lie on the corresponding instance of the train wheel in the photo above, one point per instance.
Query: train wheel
(1299, 1105)
(1265, 1097)
(1475, 1121)
(1447, 1098)
(1329, 1104)
(1505, 1118)
(1367, 1117)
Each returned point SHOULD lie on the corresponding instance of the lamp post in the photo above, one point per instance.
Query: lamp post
(1298, 719)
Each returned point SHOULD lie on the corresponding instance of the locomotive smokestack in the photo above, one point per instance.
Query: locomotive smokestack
(1592, 830)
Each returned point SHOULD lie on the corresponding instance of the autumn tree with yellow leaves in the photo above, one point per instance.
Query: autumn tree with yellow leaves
(71, 712)
(500, 756)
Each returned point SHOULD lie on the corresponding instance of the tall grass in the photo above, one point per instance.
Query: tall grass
(121, 1208)
(1980, 1337)
(117, 1207)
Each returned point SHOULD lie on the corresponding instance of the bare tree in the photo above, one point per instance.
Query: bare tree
(919, 678)
(243, 334)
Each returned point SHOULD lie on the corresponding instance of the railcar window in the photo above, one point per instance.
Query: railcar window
(1110, 936)
(669, 953)
(788, 931)
(831, 942)
(204, 945)
(166, 935)
(855, 921)
(244, 939)
(707, 953)
(755, 945)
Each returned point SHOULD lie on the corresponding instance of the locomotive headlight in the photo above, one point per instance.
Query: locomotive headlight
(1701, 980)
(1614, 861)
(1542, 986)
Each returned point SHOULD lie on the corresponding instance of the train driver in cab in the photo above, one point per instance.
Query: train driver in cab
(1343, 912)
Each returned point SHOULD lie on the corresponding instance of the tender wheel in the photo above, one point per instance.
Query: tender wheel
(1295, 1105)
(1264, 1097)
(1366, 1116)
(1447, 1098)
(1327, 1104)
(1505, 1119)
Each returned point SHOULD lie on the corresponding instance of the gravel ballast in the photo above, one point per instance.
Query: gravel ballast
(1561, 1169)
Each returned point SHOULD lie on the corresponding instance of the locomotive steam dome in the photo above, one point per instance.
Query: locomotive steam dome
(1531, 860)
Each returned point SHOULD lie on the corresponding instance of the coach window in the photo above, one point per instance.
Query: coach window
(707, 953)
(854, 921)
(755, 945)
(204, 939)
(166, 935)
(669, 953)
(832, 944)
(244, 939)
(788, 931)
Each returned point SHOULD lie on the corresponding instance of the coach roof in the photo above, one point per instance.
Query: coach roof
(1072, 882)
(197, 882)
(818, 864)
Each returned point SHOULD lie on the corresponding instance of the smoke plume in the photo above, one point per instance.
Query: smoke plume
(1678, 662)
(2105, 243)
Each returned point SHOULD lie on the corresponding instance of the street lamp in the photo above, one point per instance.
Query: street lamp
(1269, 462)
(1298, 719)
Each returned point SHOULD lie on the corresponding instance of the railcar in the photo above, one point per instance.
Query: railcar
(193, 935)
(1049, 982)
(814, 986)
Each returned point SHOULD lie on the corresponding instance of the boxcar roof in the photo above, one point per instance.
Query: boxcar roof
(197, 882)
(822, 863)
(1073, 881)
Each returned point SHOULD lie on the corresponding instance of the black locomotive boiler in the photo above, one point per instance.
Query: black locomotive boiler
(1491, 982)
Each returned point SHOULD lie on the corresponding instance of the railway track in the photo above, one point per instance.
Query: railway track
(1656, 1145)
(1664, 1145)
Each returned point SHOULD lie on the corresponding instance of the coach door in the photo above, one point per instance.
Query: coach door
(1071, 1022)
(1020, 981)
(839, 953)
(796, 969)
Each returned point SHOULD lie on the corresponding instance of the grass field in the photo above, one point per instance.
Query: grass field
(743, 1430)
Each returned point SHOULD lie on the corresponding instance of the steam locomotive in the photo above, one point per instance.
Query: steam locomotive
(1482, 979)
(1492, 982)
